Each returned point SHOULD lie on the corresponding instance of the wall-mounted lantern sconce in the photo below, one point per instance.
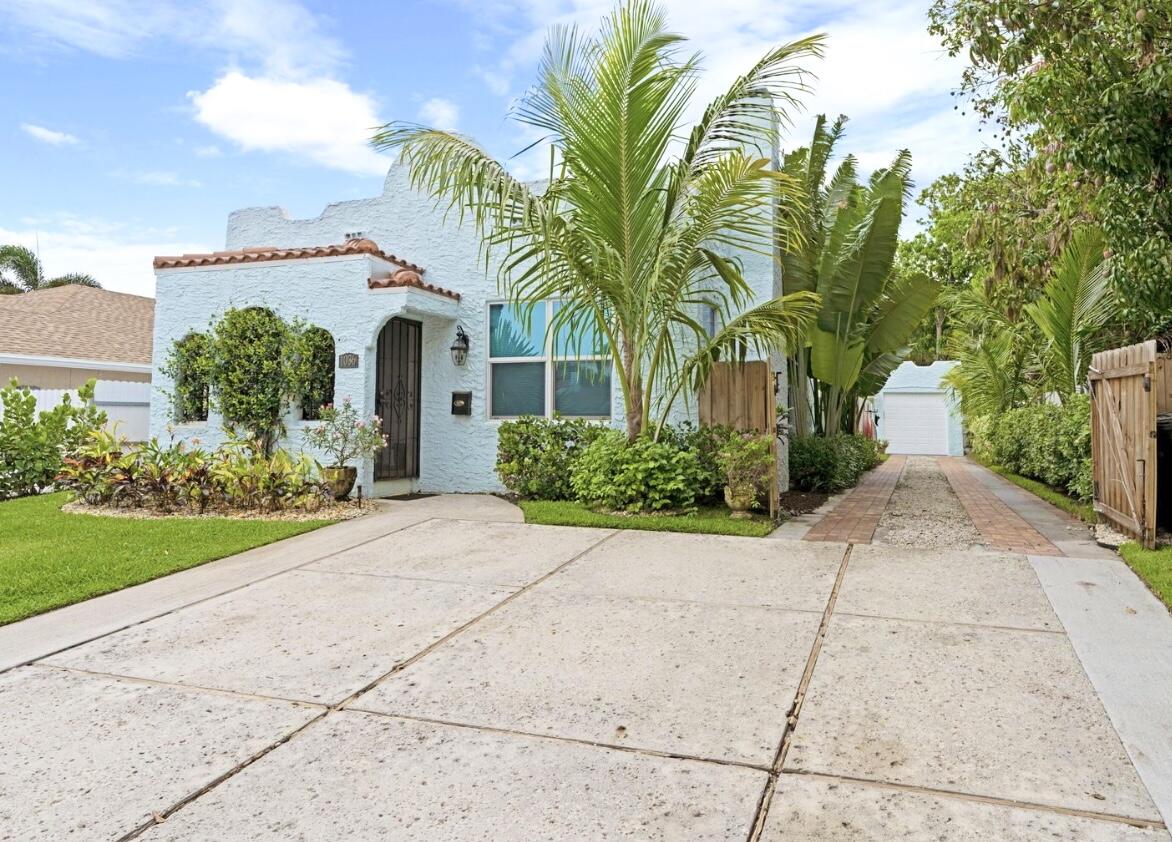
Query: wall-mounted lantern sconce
(460, 347)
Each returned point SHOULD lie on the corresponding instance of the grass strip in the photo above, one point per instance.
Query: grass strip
(713, 520)
(49, 558)
(1153, 566)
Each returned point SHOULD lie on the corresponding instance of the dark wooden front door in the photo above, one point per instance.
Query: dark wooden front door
(397, 398)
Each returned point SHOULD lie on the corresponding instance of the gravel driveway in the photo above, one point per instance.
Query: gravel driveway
(925, 512)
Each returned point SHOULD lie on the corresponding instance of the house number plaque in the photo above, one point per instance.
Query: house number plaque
(347, 360)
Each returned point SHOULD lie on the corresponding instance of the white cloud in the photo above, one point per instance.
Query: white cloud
(322, 120)
(282, 93)
(209, 151)
(881, 67)
(120, 256)
(157, 178)
(281, 35)
(49, 136)
(440, 113)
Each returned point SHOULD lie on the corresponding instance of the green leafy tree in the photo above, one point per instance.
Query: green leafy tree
(21, 271)
(846, 255)
(1087, 84)
(634, 237)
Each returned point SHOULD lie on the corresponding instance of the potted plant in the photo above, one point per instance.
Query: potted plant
(344, 436)
(747, 462)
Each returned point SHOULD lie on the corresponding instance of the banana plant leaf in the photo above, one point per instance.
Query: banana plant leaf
(834, 361)
(905, 303)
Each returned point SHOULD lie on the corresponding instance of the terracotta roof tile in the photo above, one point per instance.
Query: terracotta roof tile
(259, 254)
(409, 278)
(78, 322)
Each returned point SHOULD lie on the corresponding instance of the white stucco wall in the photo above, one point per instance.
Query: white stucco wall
(457, 453)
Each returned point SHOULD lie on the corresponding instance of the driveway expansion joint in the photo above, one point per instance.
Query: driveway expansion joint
(163, 815)
(795, 710)
(557, 738)
(1133, 821)
(967, 625)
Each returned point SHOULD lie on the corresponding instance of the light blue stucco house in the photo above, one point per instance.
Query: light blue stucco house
(394, 283)
(918, 413)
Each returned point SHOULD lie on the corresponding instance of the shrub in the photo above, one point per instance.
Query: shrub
(747, 462)
(1046, 442)
(188, 364)
(831, 464)
(642, 475)
(535, 456)
(253, 365)
(33, 445)
(108, 471)
(705, 442)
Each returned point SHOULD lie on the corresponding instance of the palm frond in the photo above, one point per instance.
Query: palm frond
(1076, 302)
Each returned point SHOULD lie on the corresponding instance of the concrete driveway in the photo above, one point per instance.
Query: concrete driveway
(447, 678)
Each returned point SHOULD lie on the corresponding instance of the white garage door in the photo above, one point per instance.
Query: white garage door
(916, 423)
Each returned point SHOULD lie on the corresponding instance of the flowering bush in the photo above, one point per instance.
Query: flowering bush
(344, 435)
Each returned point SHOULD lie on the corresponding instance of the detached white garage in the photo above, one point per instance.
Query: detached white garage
(918, 414)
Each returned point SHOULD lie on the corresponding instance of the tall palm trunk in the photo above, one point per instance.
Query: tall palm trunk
(801, 414)
(633, 394)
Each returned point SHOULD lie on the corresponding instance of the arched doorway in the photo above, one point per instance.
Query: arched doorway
(397, 384)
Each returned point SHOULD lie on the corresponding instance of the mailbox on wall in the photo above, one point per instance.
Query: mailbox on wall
(461, 403)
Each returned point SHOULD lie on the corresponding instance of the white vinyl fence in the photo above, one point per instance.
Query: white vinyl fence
(127, 405)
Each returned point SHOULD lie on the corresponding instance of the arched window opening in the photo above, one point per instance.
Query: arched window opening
(189, 367)
(318, 353)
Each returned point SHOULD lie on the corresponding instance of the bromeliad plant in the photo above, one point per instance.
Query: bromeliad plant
(631, 236)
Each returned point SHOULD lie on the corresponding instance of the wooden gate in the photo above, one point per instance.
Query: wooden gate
(1127, 387)
(740, 395)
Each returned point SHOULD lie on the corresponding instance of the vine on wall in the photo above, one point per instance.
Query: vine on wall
(252, 365)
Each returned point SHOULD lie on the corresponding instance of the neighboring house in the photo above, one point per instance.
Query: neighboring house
(60, 337)
(54, 340)
(918, 414)
(393, 283)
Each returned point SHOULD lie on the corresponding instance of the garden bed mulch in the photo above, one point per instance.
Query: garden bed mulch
(330, 511)
(795, 503)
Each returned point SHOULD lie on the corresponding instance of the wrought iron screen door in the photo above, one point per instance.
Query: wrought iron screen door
(397, 398)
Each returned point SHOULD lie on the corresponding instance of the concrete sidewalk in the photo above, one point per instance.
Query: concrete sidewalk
(456, 678)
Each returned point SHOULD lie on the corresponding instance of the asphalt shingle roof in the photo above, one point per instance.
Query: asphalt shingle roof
(78, 322)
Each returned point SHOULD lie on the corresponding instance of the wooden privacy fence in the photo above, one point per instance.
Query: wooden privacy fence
(1130, 387)
(740, 395)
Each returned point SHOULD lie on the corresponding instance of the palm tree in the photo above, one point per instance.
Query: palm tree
(1076, 303)
(634, 237)
(21, 271)
(846, 254)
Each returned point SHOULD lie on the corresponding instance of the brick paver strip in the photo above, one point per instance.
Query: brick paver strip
(998, 524)
(855, 518)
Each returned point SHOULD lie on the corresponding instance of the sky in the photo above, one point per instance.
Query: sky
(132, 128)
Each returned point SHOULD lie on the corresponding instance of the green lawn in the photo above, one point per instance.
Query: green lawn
(1083, 511)
(714, 519)
(1153, 566)
(49, 558)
